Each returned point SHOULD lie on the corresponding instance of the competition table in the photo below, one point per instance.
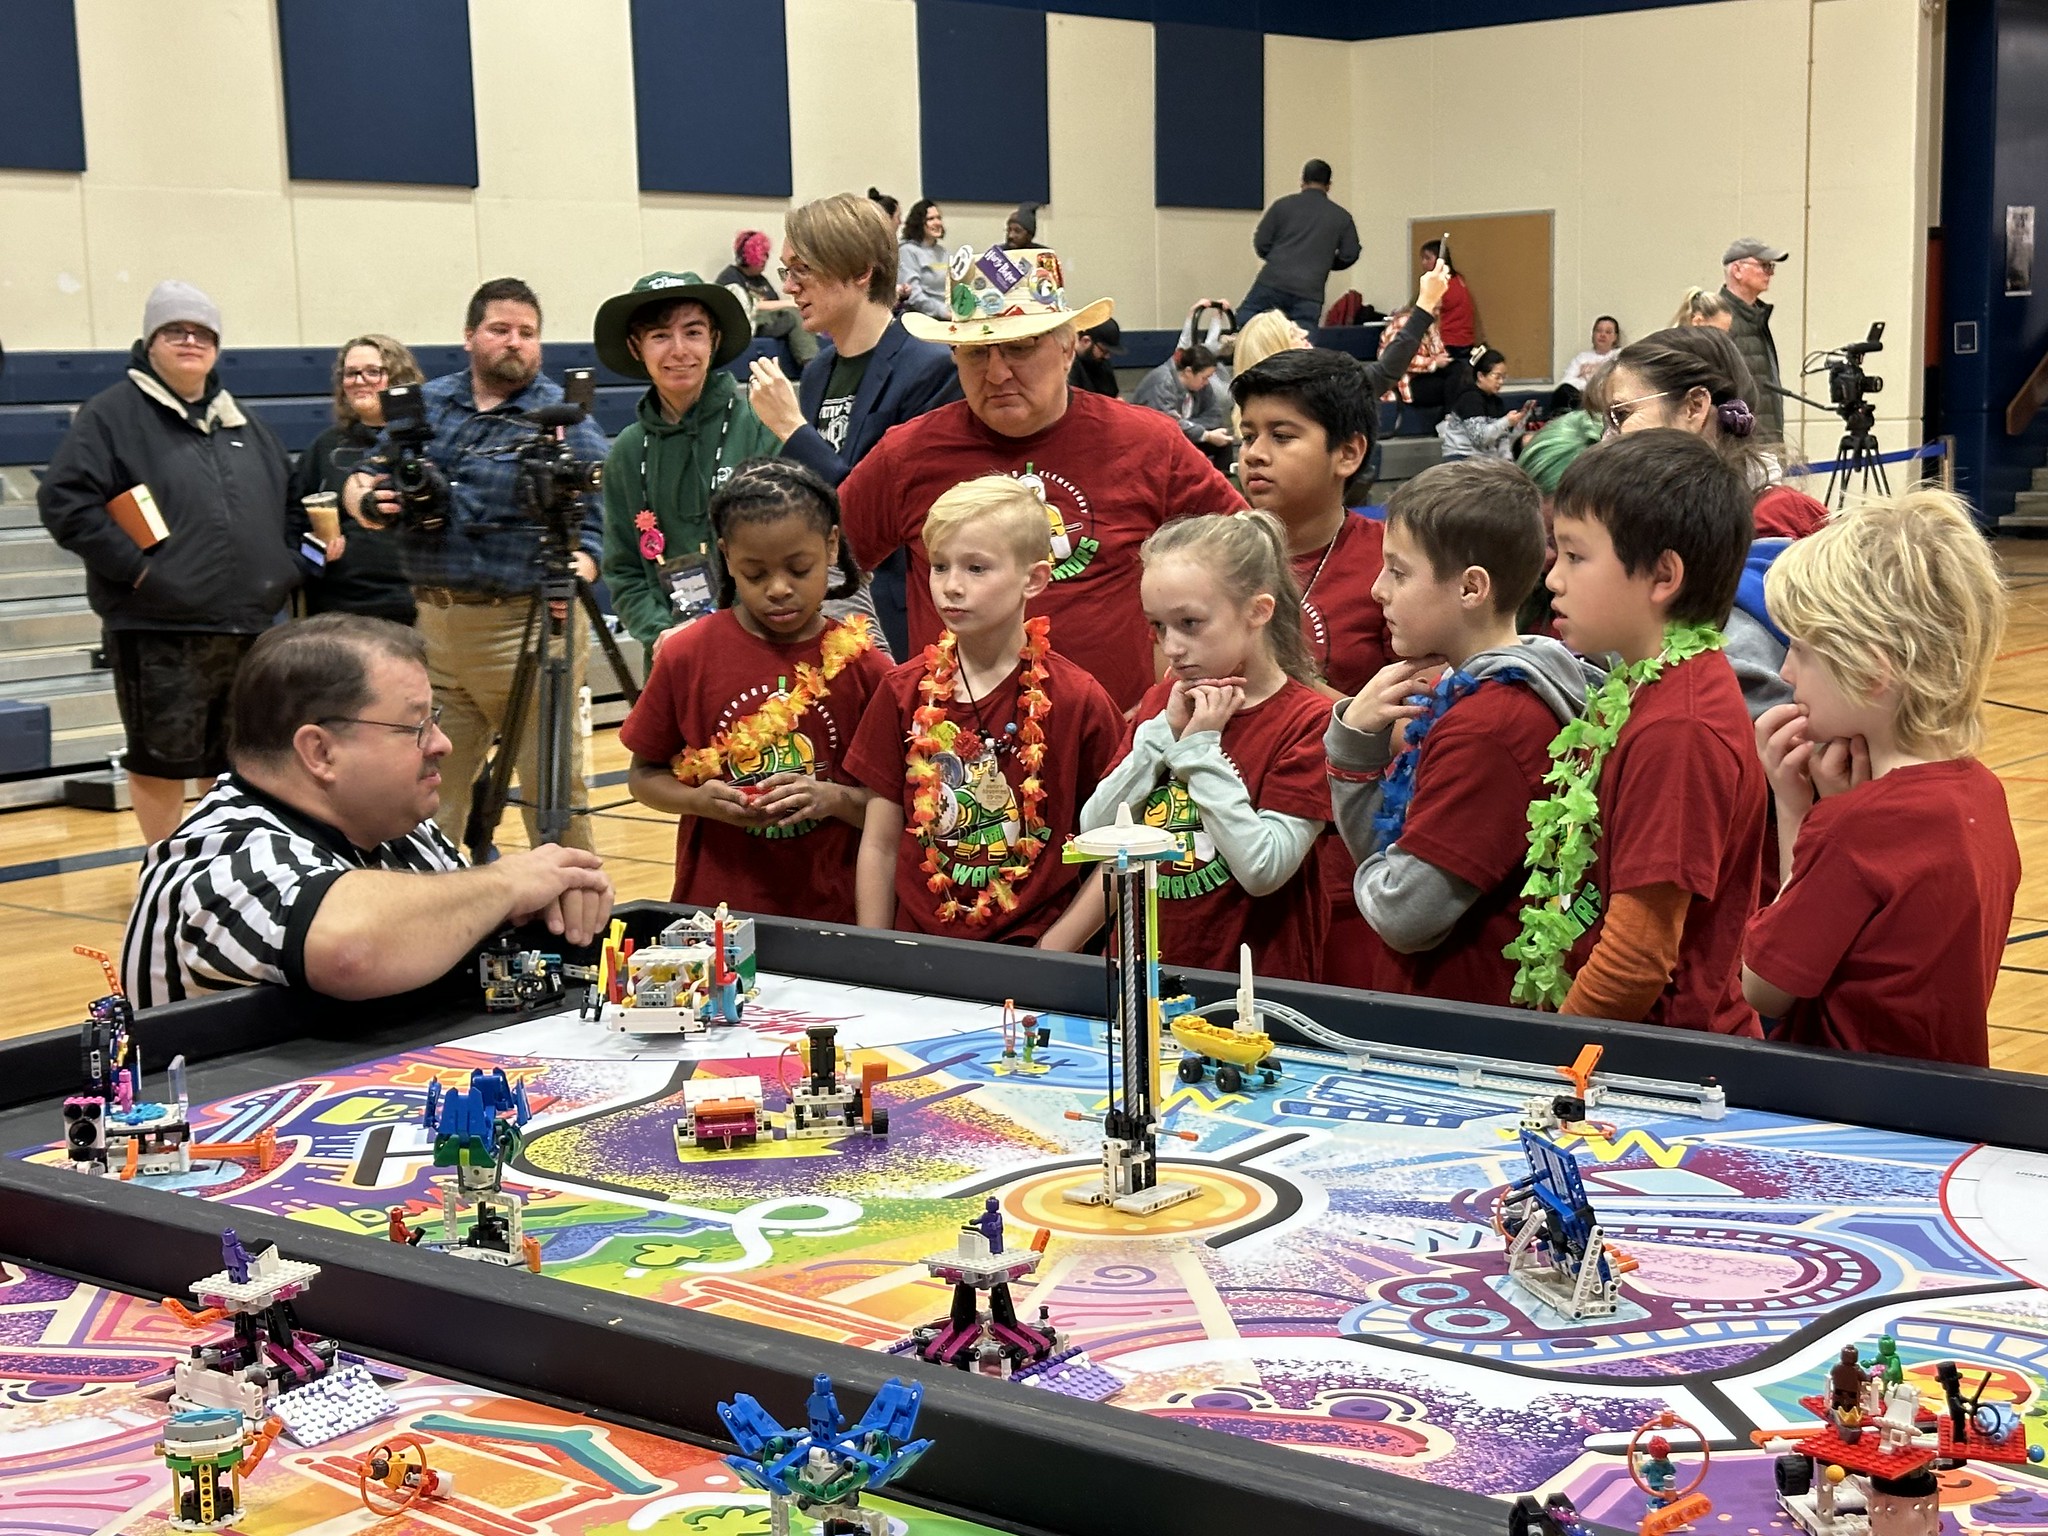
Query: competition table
(1322, 1340)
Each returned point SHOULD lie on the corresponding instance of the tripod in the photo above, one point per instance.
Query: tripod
(542, 681)
(1857, 458)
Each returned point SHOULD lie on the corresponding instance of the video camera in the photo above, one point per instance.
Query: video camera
(1848, 384)
(550, 480)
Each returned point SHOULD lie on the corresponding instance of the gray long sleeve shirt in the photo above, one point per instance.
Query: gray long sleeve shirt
(1303, 238)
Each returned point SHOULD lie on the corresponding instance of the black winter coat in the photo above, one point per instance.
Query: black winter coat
(219, 479)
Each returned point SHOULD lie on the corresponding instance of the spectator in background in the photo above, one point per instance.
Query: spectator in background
(886, 205)
(924, 275)
(1020, 231)
(1703, 307)
(1479, 424)
(1186, 387)
(690, 431)
(1747, 268)
(1302, 239)
(473, 578)
(1095, 351)
(366, 574)
(1606, 338)
(1262, 336)
(1458, 322)
(869, 376)
(772, 314)
(1421, 383)
(179, 615)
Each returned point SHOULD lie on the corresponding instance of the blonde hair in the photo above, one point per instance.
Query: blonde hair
(399, 368)
(839, 237)
(1014, 508)
(1901, 591)
(1246, 553)
(1700, 306)
(1265, 335)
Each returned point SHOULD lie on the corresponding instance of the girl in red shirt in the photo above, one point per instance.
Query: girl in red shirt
(1226, 752)
(748, 712)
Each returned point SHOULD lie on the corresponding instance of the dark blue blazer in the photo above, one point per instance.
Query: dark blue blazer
(905, 378)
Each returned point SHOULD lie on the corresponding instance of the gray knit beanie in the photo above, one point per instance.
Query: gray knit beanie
(171, 301)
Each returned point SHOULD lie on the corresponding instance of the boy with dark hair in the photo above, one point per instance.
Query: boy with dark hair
(1437, 821)
(1644, 863)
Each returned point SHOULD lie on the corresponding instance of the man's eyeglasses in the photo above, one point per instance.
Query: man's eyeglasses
(199, 336)
(365, 375)
(1619, 413)
(1014, 352)
(796, 274)
(1770, 267)
(418, 733)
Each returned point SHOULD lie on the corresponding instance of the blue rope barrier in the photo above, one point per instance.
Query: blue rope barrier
(1924, 451)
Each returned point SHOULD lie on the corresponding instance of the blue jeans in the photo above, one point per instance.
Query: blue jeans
(1306, 313)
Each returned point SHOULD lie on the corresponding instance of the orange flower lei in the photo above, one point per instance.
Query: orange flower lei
(776, 719)
(941, 669)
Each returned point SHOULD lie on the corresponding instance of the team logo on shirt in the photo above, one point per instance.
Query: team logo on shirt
(794, 753)
(1067, 510)
(1200, 869)
(979, 822)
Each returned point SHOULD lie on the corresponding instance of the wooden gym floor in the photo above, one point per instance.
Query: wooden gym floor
(44, 910)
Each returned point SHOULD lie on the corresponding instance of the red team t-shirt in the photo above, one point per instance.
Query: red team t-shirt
(1204, 914)
(1345, 629)
(983, 817)
(1894, 922)
(1347, 635)
(1682, 799)
(1478, 769)
(1783, 513)
(704, 680)
(1111, 473)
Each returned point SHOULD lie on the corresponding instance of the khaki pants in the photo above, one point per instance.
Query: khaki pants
(472, 650)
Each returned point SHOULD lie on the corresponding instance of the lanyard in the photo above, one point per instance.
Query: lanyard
(717, 457)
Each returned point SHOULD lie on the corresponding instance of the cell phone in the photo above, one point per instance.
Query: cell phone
(1443, 250)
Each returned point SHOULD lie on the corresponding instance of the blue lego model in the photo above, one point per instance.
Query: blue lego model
(823, 1469)
(1555, 1247)
(476, 1133)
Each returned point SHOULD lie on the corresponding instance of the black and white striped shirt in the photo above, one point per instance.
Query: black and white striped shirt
(227, 899)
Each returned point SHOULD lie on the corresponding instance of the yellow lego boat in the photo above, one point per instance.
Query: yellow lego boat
(1239, 1050)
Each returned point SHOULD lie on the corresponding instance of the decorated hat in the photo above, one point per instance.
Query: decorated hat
(615, 318)
(1004, 296)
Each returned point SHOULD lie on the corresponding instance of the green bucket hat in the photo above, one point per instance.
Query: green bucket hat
(615, 317)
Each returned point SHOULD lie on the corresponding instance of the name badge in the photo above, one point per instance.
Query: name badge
(688, 579)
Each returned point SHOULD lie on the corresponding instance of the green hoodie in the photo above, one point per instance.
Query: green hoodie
(685, 461)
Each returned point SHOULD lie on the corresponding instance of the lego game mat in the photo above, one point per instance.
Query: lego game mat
(1336, 1286)
(84, 1373)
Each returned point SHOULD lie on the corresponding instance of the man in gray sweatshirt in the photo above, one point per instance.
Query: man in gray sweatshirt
(1303, 238)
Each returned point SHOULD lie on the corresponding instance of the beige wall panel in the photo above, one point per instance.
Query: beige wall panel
(44, 296)
(554, 99)
(212, 64)
(1203, 254)
(1102, 164)
(853, 97)
(398, 260)
(576, 255)
(237, 246)
(1308, 116)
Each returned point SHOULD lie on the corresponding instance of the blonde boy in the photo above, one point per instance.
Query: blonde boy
(1897, 851)
(981, 751)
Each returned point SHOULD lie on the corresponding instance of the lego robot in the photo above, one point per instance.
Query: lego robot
(476, 1134)
(700, 974)
(268, 1353)
(822, 1470)
(990, 1339)
(1555, 1247)
(828, 1099)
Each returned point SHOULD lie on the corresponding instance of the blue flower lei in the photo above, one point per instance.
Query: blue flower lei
(1397, 785)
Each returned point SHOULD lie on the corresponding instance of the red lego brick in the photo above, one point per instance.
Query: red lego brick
(2013, 1452)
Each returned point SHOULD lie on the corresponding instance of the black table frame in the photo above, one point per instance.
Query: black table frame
(1009, 1455)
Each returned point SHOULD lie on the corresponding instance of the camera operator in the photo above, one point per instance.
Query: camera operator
(474, 576)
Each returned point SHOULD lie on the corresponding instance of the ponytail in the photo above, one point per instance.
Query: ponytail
(1246, 553)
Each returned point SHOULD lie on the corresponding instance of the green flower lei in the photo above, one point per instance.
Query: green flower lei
(1563, 829)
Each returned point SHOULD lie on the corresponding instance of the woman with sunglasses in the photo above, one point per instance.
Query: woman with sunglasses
(363, 572)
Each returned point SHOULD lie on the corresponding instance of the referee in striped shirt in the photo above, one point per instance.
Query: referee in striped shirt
(315, 862)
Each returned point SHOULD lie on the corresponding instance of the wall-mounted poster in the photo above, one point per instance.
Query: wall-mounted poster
(2019, 251)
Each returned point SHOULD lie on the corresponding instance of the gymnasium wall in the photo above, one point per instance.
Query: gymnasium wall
(1655, 136)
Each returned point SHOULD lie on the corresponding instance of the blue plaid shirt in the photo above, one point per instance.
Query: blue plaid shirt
(489, 545)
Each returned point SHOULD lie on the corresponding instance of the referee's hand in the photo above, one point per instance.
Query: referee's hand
(565, 887)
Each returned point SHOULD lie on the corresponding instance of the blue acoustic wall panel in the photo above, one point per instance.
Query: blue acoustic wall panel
(981, 101)
(42, 125)
(1208, 145)
(711, 96)
(378, 90)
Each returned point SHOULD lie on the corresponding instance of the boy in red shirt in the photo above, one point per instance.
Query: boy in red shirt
(1438, 823)
(978, 752)
(1899, 882)
(1659, 787)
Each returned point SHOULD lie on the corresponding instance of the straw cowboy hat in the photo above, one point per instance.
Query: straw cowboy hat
(1004, 296)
